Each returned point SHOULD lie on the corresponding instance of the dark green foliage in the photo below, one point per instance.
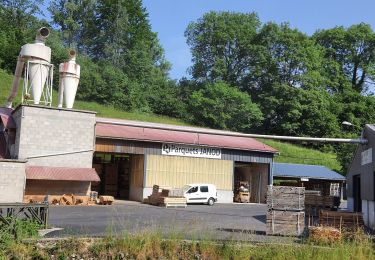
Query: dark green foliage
(221, 106)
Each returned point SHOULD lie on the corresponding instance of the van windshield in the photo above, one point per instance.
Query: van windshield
(186, 188)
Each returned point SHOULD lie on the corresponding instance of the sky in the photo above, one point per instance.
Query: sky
(169, 19)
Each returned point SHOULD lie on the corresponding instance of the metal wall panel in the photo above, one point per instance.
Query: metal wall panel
(175, 171)
(136, 147)
(137, 168)
(366, 171)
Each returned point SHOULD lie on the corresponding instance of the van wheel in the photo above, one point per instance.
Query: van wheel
(211, 201)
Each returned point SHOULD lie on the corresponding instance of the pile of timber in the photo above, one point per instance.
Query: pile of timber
(285, 215)
(314, 202)
(342, 220)
(324, 235)
(166, 197)
(286, 198)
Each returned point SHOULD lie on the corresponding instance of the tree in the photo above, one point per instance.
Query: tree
(220, 106)
(350, 55)
(222, 46)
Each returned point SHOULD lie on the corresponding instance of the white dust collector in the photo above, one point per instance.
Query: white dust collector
(37, 87)
(69, 79)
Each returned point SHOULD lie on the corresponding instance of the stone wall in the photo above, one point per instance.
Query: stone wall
(12, 181)
(43, 132)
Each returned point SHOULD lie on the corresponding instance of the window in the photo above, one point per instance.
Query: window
(194, 189)
(204, 188)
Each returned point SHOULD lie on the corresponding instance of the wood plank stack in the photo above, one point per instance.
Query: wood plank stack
(285, 215)
(286, 198)
(314, 202)
(166, 197)
(343, 220)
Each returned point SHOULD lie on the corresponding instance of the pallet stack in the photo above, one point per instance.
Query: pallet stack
(342, 220)
(285, 215)
(167, 197)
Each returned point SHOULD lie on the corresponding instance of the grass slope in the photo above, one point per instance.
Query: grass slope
(291, 153)
(288, 152)
(102, 110)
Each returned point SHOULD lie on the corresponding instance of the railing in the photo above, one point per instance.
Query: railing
(11, 212)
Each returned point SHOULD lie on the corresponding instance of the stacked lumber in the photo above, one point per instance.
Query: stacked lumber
(106, 200)
(285, 215)
(324, 235)
(286, 223)
(343, 220)
(286, 198)
(314, 202)
(166, 197)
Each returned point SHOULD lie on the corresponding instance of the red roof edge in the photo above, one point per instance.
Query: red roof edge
(61, 174)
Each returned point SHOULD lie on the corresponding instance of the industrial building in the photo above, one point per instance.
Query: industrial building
(55, 151)
(60, 148)
(361, 178)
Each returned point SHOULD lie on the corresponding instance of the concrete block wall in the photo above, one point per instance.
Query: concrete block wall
(44, 131)
(12, 181)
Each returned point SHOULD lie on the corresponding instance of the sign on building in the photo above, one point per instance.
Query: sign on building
(191, 151)
(366, 156)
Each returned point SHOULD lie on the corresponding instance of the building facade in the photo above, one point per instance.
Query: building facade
(361, 178)
(66, 151)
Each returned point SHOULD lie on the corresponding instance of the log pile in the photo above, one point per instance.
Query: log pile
(166, 197)
(285, 215)
(342, 220)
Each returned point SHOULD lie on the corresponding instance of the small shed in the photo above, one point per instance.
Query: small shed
(312, 177)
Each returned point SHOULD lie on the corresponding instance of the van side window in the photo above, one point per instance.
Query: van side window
(204, 188)
(194, 189)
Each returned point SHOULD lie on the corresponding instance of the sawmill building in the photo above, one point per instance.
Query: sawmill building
(63, 151)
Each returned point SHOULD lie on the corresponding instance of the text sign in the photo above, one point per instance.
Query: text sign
(366, 156)
(191, 151)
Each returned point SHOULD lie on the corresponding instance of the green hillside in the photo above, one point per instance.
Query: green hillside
(102, 110)
(291, 153)
(288, 152)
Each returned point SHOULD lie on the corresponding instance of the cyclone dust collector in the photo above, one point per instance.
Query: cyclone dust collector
(69, 79)
(37, 86)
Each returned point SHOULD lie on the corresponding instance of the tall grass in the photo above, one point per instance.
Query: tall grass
(152, 246)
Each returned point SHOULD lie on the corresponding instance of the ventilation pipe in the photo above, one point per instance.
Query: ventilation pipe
(69, 79)
(39, 57)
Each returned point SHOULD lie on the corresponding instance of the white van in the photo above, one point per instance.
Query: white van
(200, 193)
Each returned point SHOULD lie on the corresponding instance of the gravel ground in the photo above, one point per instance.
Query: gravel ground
(244, 222)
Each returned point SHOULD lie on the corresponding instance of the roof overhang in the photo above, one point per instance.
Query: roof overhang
(61, 174)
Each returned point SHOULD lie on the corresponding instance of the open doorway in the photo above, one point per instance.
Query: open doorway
(121, 175)
(357, 193)
(256, 174)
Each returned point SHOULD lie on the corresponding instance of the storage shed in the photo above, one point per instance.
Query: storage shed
(312, 177)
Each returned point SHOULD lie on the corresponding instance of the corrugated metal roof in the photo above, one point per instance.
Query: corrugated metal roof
(6, 117)
(61, 174)
(139, 133)
(305, 171)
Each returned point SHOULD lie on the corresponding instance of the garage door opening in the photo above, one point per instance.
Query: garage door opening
(121, 175)
(256, 174)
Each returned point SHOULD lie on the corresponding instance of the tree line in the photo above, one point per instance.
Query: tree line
(246, 75)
